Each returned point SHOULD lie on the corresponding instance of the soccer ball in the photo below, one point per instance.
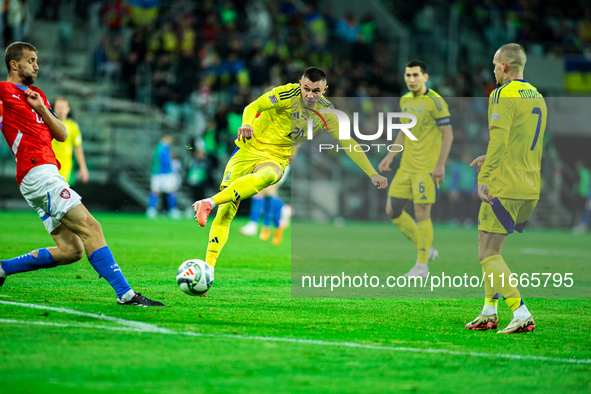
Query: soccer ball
(195, 277)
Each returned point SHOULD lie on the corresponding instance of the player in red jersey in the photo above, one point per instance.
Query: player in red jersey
(29, 124)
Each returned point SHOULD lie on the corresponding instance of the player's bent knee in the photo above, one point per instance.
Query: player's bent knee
(73, 253)
(92, 228)
(396, 207)
(268, 175)
(390, 212)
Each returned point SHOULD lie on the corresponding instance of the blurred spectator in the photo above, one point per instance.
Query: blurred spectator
(115, 14)
(129, 72)
(463, 191)
(114, 60)
(228, 13)
(187, 36)
(586, 217)
(164, 79)
(144, 85)
(348, 28)
(198, 171)
(18, 19)
(164, 179)
(169, 42)
(259, 21)
(138, 43)
(447, 89)
(581, 188)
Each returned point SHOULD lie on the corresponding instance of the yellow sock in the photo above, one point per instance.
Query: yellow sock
(246, 186)
(500, 280)
(218, 234)
(491, 298)
(424, 240)
(491, 301)
(407, 227)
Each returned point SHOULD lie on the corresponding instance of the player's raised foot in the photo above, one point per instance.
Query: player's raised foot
(483, 322)
(265, 234)
(433, 254)
(419, 269)
(139, 300)
(249, 229)
(519, 325)
(202, 210)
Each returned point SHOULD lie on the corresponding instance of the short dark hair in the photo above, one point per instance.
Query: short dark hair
(417, 63)
(314, 74)
(15, 52)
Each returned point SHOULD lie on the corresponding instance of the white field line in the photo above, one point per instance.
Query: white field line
(136, 324)
(145, 327)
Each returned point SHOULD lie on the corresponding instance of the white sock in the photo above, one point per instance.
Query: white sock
(521, 313)
(127, 296)
(2, 272)
(489, 310)
(211, 202)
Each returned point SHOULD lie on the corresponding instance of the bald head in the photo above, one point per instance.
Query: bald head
(509, 62)
(514, 56)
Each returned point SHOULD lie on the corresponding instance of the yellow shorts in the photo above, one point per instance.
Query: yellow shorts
(243, 163)
(418, 187)
(505, 215)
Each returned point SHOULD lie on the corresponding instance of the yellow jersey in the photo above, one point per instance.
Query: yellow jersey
(517, 121)
(431, 111)
(64, 150)
(280, 123)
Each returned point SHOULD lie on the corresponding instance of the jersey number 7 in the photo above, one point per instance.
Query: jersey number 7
(537, 111)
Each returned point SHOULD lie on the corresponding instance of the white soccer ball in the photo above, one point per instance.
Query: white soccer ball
(195, 277)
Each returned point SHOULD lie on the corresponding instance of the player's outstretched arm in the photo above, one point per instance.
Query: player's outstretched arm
(56, 127)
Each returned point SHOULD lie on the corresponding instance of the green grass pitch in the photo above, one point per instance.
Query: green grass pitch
(249, 335)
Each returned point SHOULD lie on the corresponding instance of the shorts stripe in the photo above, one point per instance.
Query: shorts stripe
(436, 191)
(48, 204)
(503, 216)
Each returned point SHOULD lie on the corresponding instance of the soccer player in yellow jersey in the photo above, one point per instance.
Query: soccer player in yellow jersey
(422, 167)
(508, 183)
(63, 150)
(265, 145)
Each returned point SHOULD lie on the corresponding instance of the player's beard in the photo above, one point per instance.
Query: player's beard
(27, 80)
